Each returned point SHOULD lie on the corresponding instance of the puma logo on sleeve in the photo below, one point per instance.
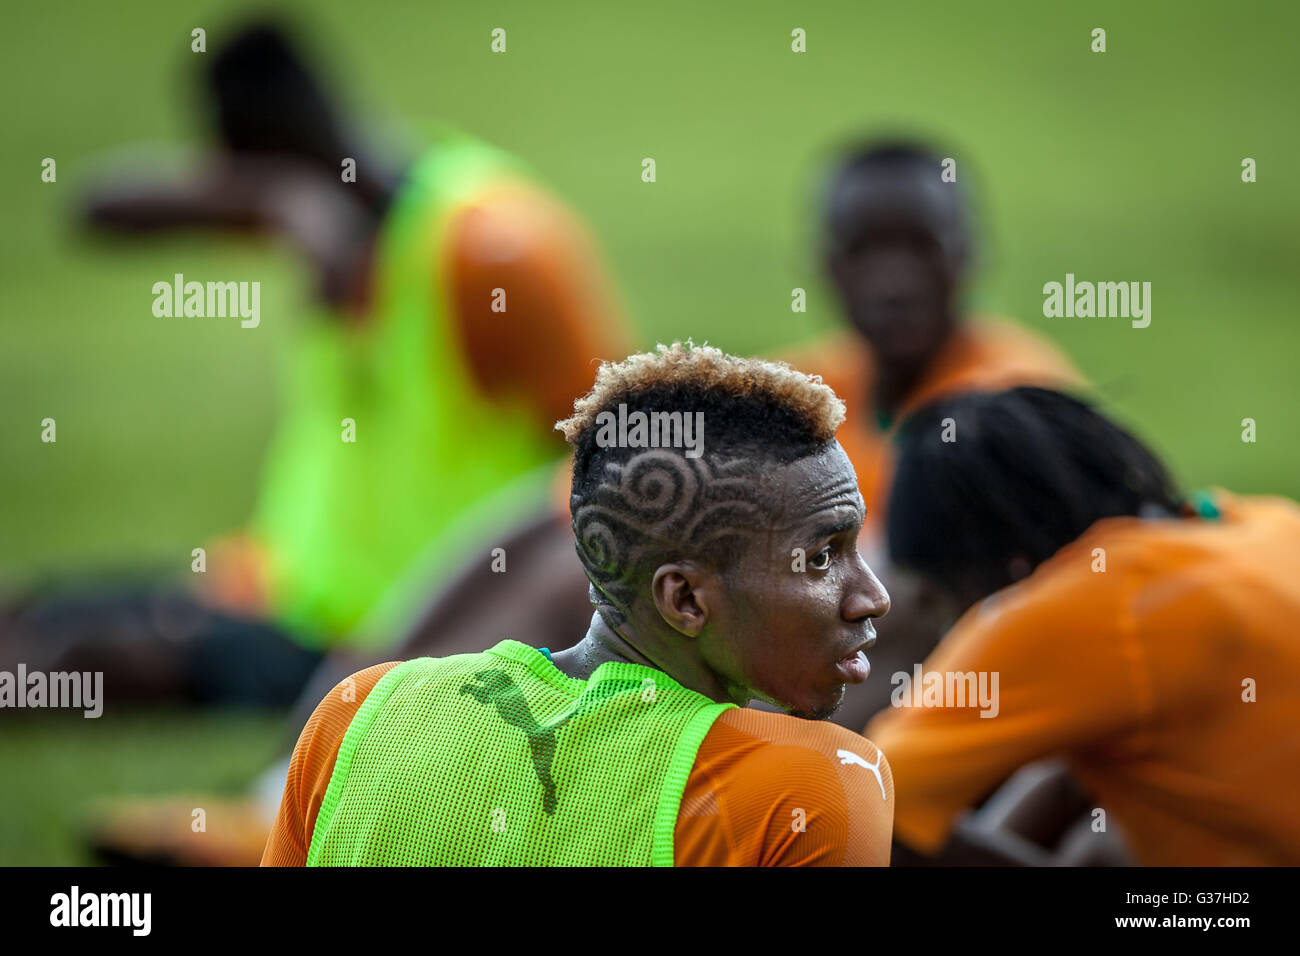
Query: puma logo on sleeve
(848, 756)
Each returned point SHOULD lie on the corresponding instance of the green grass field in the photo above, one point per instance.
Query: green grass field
(57, 766)
(1116, 166)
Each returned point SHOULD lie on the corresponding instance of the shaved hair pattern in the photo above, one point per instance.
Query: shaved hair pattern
(658, 503)
(634, 509)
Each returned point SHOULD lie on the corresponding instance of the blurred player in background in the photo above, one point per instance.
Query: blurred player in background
(463, 308)
(897, 244)
(627, 749)
(1147, 638)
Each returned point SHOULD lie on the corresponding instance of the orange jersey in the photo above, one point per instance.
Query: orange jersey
(980, 356)
(1170, 680)
(766, 790)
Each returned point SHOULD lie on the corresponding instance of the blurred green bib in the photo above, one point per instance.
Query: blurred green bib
(357, 531)
(500, 759)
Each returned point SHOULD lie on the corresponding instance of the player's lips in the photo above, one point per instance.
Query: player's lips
(854, 666)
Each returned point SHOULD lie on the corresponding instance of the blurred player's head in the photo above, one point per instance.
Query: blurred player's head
(739, 553)
(896, 244)
(988, 486)
(266, 98)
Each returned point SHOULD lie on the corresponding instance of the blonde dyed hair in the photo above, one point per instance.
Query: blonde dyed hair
(710, 369)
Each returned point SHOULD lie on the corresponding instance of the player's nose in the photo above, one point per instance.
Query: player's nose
(866, 596)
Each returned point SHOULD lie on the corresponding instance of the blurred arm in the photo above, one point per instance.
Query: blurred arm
(319, 218)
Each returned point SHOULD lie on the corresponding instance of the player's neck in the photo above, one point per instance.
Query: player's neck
(894, 382)
(603, 644)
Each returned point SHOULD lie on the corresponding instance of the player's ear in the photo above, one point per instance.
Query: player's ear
(682, 594)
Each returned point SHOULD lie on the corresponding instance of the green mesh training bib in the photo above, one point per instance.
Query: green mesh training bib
(342, 521)
(499, 759)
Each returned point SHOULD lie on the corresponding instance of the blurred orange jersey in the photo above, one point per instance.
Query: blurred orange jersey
(766, 790)
(981, 355)
(562, 318)
(1161, 658)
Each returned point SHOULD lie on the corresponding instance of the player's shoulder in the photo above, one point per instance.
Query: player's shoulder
(1255, 508)
(1010, 353)
(1126, 552)
(1107, 574)
(347, 696)
(785, 730)
(1087, 580)
(780, 749)
(509, 221)
(313, 757)
(798, 792)
(1005, 334)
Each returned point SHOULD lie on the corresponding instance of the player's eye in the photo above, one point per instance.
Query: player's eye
(822, 559)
